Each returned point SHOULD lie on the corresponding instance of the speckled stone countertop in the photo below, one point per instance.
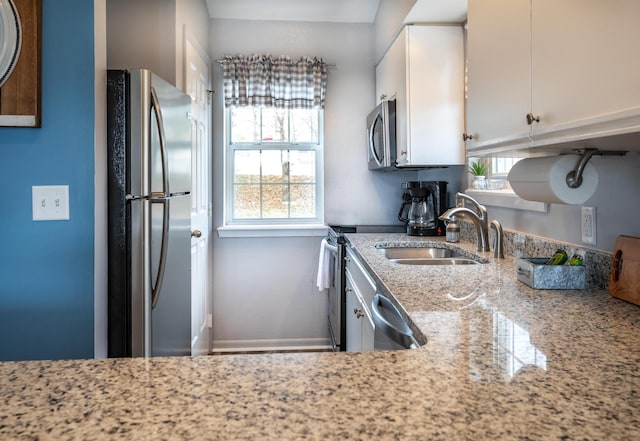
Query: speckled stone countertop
(502, 361)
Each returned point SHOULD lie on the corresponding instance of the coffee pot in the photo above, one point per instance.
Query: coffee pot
(423, 203)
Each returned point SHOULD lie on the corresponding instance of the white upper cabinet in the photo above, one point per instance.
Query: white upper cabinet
(594, 74)
(571, 65)
(498, 81)
(423, 71)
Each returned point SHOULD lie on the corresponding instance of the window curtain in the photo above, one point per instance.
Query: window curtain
(262, 80)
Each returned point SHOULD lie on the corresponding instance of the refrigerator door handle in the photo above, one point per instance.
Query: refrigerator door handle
(155, 289)
(155, 106)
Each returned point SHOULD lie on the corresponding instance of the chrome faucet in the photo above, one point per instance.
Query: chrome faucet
(478, 218)
(498, 249)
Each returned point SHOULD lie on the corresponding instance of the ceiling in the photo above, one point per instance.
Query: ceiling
(340, 11)
(336, 11)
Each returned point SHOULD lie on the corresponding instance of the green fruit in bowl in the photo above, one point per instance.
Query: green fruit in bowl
(559, 258)
(575, 260)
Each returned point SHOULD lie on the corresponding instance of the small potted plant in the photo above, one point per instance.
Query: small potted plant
(478, 170)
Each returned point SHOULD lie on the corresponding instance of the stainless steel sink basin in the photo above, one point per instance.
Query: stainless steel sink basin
(451, 261)
(426, 256)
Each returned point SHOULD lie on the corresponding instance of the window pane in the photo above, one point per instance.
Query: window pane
(275, 166)
(502, 165)
(303, 200)
(275, 125)
(275, 200)
(246, 201)
(303, 166)
(304, 125)
(246, 166)
(245, 124)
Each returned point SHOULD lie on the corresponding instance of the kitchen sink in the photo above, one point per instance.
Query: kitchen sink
(426, 256)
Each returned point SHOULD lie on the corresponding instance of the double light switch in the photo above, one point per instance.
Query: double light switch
(50, 202)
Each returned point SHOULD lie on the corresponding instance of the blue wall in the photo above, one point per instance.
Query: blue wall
(46, 268)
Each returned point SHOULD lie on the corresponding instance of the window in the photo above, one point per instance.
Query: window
(497, 170)
(274, 166)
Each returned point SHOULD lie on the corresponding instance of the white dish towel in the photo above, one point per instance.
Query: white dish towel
(324, 266)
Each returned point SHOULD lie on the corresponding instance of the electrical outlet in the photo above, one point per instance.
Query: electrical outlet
(588, 222)
(50, 202)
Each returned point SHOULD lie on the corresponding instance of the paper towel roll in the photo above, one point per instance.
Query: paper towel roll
(545, 180)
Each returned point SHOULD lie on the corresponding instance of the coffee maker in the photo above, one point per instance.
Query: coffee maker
(423, 203)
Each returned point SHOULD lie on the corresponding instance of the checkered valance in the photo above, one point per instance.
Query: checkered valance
(262, 80)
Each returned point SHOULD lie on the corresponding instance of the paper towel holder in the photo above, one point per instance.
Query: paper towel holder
(574, 177)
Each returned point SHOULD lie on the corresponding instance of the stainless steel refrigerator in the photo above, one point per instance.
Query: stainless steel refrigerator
(149, 208)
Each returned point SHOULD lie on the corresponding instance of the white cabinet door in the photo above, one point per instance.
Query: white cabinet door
(360, 327)
(368, 331)
(499, 74)
(391, 72)
(360, 290)
(354, 323)
(423, 71)
(585, 60)
(435, 96)
(197, 84)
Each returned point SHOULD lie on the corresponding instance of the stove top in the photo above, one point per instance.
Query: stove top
(342, 229)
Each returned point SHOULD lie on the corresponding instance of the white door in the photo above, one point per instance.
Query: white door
(197, 79)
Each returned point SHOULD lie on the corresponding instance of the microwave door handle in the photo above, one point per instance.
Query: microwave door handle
(372, 149)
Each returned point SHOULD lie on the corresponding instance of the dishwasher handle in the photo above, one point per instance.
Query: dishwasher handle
(388, 321)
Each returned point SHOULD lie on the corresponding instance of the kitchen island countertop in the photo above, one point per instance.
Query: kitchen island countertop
(501, 361)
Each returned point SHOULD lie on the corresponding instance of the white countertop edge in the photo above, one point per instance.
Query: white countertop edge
(312, 230)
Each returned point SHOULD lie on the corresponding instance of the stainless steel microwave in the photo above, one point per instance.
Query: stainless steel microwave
(381, 136)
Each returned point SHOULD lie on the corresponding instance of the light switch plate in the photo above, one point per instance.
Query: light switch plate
(50, 202)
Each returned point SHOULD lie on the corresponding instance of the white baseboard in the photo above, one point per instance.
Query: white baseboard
(293, 344)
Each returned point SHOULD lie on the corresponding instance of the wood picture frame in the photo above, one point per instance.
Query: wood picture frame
(20, 95)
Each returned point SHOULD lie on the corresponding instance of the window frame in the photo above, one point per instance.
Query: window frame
(276, 225)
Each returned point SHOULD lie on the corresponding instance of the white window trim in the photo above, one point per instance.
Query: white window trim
(315, 230)
(273, 227)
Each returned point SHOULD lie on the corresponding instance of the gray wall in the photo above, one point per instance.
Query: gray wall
(150, 34)
(141, 34)
(389, 19)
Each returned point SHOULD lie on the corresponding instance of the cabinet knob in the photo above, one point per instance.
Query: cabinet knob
(531, 118)
(196, 233)
(466, 137)
(358, 312)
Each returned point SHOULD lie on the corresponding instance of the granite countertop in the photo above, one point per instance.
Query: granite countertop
(502, 361)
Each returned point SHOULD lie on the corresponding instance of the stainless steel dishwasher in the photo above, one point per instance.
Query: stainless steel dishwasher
(391, 330)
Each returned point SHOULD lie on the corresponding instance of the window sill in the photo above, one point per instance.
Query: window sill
(311, 230)
(506, 199)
